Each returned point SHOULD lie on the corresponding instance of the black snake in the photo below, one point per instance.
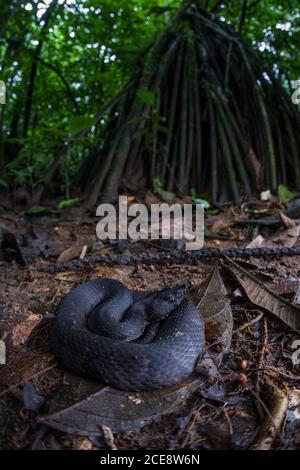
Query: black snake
(129, 339)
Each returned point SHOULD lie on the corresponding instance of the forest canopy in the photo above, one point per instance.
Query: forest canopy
(62, 61)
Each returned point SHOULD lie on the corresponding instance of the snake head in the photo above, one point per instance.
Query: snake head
(166, 300)
(175, 295)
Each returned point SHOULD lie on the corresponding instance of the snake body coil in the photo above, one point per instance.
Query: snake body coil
(130, 340)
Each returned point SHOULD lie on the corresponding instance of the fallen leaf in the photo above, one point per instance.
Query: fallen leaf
(108, 437)
(21, 332)
(217, 314)
(82, 406)
(70, 253)
(256, 243)
(263, 297)
(287, 238)
(286, 221)
(296, 300)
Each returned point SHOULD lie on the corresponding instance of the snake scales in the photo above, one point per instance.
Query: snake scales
(128, 339)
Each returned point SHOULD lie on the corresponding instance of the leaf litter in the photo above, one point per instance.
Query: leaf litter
(242, 394)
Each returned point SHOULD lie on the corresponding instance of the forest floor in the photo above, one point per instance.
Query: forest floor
(252, 399)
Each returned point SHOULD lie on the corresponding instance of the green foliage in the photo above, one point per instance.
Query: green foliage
(88, 51)
(285, 195)
(194, 192)
(157, 185)
(272, 27)
(67, 202)
(146, 96)
(200, 200)
(38, 210)
(80, 123)
(203, 202)
(214, 211)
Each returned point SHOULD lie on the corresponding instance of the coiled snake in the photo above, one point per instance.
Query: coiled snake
(129, 339)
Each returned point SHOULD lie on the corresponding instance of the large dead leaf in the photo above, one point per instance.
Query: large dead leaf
(216, 310)
(263, 297)
(70, 253)
(287, 238)
(82, 406)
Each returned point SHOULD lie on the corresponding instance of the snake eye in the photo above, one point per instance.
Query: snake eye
(171, 299)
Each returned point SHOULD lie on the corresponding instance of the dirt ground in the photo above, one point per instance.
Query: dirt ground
(252, 402)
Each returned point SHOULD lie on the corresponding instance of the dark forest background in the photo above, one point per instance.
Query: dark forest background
(63, 60)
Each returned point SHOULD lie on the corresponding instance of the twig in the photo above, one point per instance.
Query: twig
(249, 323)
(228, 421)
(271, 427)
(274, 370)
(261, 363)
(108, 437)
(237, 377)
(188, 429)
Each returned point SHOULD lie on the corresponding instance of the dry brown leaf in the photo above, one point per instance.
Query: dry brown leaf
(70, 253)
(82, 406)
(21, 332)
(286, 221)
(216, 310)
(257, 242)
(263, 297)
(287, 238)
(109, 437)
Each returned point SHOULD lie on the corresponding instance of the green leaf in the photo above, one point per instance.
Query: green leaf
(285, 195)
(67, 202)
(146, 96)
(194, 193)
(204, 203)
(157, 185)
(81, 123)
(213, 211)
(38, 210)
